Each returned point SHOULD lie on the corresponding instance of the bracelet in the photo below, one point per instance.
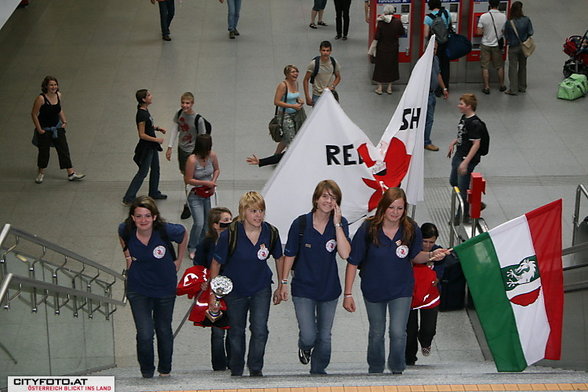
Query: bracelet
(338, 225)
(284, 281)
(348, 296)
(445, 89)
(128, 258)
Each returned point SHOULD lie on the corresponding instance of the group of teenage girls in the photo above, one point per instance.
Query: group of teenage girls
(384, 249)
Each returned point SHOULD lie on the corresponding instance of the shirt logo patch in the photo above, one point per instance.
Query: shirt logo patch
(263, 252)
(331, 245)
(159, 252)
(402, 251)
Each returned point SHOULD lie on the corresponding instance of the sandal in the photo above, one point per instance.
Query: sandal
(321, 23)
(312, 26)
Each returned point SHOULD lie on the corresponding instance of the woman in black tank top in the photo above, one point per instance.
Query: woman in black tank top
(50, 124)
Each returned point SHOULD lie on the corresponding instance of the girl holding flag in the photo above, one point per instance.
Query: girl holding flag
(385, 246)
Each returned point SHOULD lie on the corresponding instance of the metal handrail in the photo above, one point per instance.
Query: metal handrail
(54, 247)
(581, 189)
(455, 198)
(39, 284)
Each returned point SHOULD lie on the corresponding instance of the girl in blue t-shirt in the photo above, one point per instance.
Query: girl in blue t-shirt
(151, 281)
(243, 252)
(314, 240)
(385, 247)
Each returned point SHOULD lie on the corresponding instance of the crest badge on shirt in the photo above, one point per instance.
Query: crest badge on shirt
(331, 245)
(159, 252)
(263, 252)
(402, 251)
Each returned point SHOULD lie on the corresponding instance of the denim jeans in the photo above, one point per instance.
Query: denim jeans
(153, 314)
(399, 309)
(422, 334)
(315, 321)
(233, 17)
(257, 306)
(150, 161)
(219, 349)
(199, 207)
(462, 182)
(430, 117)
(167, 10)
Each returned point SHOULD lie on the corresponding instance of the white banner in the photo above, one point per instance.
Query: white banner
(330, 146)
(324, 148)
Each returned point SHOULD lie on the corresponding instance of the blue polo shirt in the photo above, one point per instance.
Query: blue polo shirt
(316, 276)
(247, 267)
(384, 274)
(153, 272)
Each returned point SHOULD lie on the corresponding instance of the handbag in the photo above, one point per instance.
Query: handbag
(203, 191)
(572, 88)
(457, 46)
(276, 124)
(527, 46)
(501, 40)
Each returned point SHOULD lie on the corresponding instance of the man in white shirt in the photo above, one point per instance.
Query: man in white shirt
(491, 27)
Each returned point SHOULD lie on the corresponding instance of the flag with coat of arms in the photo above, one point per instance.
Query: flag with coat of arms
(514, 273)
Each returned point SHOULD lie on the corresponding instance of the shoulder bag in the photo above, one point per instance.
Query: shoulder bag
(527, 46)
(276, 124)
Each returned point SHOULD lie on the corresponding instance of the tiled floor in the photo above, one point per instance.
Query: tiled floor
(103, 51)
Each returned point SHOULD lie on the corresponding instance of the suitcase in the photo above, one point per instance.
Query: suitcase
(572, 88)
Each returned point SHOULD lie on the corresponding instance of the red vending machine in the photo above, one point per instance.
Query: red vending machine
(477, 8)
(404, 12)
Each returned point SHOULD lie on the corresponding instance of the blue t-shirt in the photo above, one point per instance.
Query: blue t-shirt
(247, 267)
(384, 274)
(316, 276)
(153, 272)
(204, 252)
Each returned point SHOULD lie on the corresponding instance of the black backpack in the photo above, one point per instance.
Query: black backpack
(301, 227)
(438, 26)
(207, 124)
(484, 139)
(317, 64)
(232, 229)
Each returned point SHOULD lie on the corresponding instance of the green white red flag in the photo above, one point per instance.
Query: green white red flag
(514, 273)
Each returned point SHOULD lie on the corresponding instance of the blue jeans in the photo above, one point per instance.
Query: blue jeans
(257, 306)
(462, 182)
(167, 9)
(150, 161)
(233, 17)
(399, 309)
(430, 117)
(199, 207)
(153, 314)
(315, 321)
(220, 349)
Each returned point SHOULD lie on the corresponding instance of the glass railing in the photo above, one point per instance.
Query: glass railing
(57, 308)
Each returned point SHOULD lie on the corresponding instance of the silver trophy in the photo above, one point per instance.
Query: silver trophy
(220, 286)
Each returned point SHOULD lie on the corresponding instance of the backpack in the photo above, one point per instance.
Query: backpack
(232, 229)
(207, 124)
(485, 139)
(438, 26)
(301, 220)
(317, 64)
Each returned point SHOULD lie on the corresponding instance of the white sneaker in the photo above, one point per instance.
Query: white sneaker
(75, 176)
(39, 179)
